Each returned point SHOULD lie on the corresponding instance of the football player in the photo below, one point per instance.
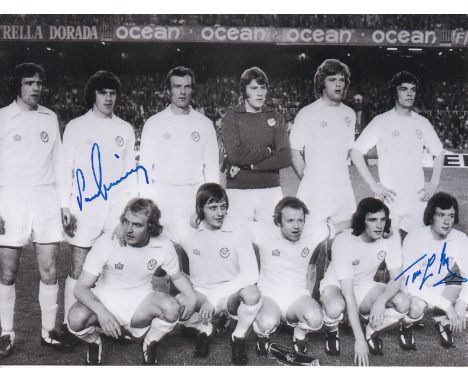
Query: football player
(223, 270)
(349, 282)
(179, 149)
(106, 138)
(286, 250)
(400, 136)
(32, 199)
(257, 147)
(321, 137)
(114, 289)
(431, 255)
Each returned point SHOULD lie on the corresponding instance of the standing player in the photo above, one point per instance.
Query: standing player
(223, 270)
(400, 136)
(285, 253)
(349, 281)
(31, 193)
(428, 279)
(321, 138)
(179, 149)
(257, 146)
(114, 290)
(115, 141)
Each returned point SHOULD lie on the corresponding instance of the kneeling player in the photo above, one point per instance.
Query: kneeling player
(349, 281)
(223, 270)
(114, 290)
(427, 279)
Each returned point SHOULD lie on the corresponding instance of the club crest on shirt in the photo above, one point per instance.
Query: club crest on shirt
(119, 266)
(275, 252)
(196, 252)
(381, 255)
(119, 140)
(195, 136)
(355, 262)
(305, 252)
(166, 135)
(224, 252)
(347, 121)
(17, 137)
(396, 133)
(152, 264)
(323, 124)
(271, 122)
(44, 137)
(418, 133)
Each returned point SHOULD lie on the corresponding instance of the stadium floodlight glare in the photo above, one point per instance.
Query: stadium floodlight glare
(391, 48)
(415, 49)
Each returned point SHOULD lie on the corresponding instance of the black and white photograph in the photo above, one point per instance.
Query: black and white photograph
(233, 189)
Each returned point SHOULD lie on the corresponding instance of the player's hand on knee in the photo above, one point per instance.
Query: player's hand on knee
(119, 234)
(187, 304)
(427, 191)
(207, 312)
(453, 318)
(68, 222)
(384, 193)
(109, 324)
(361, 353)
(376, 316)
(2, 226)
(460, 308)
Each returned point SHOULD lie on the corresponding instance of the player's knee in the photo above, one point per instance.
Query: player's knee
(170, 310)
(267, 323)
(8, 276)
(250, 295)
(402, 303)
(48, 273)
(78, 317)
(417, 307)
(314, 319)
(334, 309)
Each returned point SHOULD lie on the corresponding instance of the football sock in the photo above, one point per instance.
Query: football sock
(48, 304)
(88, 335)
(196, 323)
(408, 321)
(68, 297)
(331, 324)
(246, 315)
(262, 332)
(443, 320)
(301, 330)
(7, 308)
(159, 328)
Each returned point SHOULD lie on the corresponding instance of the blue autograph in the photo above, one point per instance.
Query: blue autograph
(102, 189)
(443, 263)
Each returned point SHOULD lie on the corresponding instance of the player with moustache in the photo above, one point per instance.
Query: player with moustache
(321, 138)
(257, 147)
(223, 270)
(286, 250)
(436, 290)
(32, 199)
(179, 149)
(349, 282)
(110, 140)
(400, 135)
(114, 290)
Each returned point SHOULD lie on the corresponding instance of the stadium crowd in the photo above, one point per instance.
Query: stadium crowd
(389, 21)
(442, 102)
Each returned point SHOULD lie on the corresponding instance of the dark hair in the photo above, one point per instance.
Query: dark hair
(148, 208)
(99, 81)
(368, 206)
(397, 80)
(442, 200)
(327, 68)
(26, 69)
(291, 202)
(251, 74)
(209, 193)
(179, 71)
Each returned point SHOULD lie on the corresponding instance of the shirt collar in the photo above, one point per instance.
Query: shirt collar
(241, 109)
(14, 110)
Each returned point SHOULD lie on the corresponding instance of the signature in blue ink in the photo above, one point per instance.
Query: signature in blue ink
(102, 189)
(443, 263)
